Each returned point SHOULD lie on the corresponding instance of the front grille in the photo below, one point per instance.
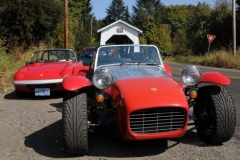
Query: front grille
(41, 86)
(157, 120)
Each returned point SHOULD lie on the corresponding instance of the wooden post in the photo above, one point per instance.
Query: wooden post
(234, 27)
(66, 24)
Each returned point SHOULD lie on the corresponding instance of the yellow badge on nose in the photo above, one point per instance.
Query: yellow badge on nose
(153, 89)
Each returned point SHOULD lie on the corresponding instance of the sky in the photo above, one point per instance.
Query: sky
(100, 6)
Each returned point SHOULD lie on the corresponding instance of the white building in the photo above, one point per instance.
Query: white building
(119, 32)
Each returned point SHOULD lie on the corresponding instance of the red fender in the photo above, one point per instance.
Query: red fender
(73, 83)
(168, 69)
(214, 77)
(80, 70)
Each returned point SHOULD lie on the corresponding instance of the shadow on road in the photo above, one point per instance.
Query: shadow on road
(48, 142)
(58, 106)
(13, 96)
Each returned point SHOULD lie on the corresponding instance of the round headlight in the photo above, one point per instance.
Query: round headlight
(191, 75)
(102, 78)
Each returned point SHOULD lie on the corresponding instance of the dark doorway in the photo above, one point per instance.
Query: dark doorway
(119, 39)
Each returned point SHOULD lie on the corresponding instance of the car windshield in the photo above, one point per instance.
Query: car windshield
(128, 54)
(53, 55)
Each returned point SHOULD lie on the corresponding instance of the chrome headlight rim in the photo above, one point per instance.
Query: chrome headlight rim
(102, 78)
(191, 75)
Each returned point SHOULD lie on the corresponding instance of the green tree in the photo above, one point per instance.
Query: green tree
(115, 11)
(162, 38)
(221, 26)
(199, 27)
(159, 12)
(27, 22)
(127, 15)
(147, 16)
(180, 43)
(145, 12)
(178, 17)
(84, 21)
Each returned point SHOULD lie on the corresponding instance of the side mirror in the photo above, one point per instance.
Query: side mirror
(166, 54)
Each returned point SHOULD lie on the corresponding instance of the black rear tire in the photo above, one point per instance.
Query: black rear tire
(75, 128)
(216, 115)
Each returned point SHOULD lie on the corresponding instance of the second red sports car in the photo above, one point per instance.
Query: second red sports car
(45, 72)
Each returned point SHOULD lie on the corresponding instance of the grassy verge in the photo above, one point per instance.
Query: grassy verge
(219, 59)
(10, 63)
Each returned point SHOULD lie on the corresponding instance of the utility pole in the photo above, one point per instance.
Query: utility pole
(66, 24)
(234, 27)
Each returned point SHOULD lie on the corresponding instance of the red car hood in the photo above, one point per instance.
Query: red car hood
(38, 71)
(142, 87)
(142, 93)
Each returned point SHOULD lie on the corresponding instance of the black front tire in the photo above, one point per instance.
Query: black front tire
(75, 128)
(216, 115)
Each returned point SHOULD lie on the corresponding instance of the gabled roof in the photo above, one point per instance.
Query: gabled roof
(120, 21)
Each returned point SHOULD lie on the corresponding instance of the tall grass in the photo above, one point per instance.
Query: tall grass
(219, 59)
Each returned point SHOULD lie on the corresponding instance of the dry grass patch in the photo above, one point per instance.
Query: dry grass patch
(10, 63)
(219, 59)
(223, 59)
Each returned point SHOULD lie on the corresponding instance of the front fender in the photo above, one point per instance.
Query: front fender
(214, 77)
(73, 83)
(80, 70)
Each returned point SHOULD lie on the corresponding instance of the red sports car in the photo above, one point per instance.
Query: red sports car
(131, 91)
(45, 71)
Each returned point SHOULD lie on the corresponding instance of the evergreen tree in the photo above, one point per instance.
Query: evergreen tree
(147, 16)
(147, 11)
(115, 11)
(127, 15)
